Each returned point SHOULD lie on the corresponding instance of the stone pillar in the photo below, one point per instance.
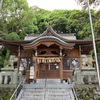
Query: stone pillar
(1, 78)
(79, 77)
(11, 77)
(15, 76)
(89, 79)
(5, 79)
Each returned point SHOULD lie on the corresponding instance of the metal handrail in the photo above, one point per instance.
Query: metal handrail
(74, 92)
(70, 82)
(45, 88)
(21, 83)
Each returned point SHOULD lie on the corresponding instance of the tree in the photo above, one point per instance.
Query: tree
(10, 20)
(28, 23)
(17, 17)
(58, 20)
(93, 3)
(10, 14)
(97, 23)
(42, 17)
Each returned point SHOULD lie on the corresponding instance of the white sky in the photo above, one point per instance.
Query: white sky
(54, 4)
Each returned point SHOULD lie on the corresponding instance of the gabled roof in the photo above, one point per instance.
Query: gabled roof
(48, 35)
(50, 32)
(48, 39)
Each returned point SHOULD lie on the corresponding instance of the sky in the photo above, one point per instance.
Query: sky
(55, 4)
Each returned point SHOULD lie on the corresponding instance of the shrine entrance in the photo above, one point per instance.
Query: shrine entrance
(48, 70)
(48, 67)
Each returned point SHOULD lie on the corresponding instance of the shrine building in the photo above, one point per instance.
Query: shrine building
(52, 55)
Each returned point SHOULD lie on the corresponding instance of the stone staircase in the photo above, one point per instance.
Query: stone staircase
(51, 89)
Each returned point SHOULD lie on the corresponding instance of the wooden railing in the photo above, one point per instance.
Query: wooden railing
(67, 74)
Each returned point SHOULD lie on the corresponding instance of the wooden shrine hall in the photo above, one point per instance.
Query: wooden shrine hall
(52, 55)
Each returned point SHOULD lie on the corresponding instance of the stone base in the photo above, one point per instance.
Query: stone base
(7, 69)
(34, 81)
(61, 81)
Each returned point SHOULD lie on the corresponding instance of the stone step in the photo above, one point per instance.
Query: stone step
(38, 96)
(52, 90)
(58, 96)
(51, 94)
(33, 90)
(51, 81)
(41, 86)
(42, 99)
(31, 98)
(54, 97)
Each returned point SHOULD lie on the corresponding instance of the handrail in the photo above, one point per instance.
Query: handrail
(74, 92)
(70, 82)
(21, 82)
(45, 88)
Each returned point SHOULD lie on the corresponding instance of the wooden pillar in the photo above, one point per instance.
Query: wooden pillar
(61, 69)
(28, 76)
(18, 62)
(35, 70)
(27, 60)
(80, 57)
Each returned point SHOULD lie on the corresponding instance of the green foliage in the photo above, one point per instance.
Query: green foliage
(16, 17)
(83, 3)
(6, 93)
(58, 20)
(86, 93)
(17, 20)
(42, 17)
(1, 59)
(11, 36)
